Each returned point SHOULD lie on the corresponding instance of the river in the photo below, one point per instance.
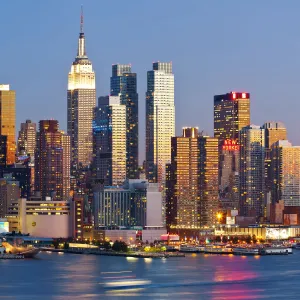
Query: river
(197, 276)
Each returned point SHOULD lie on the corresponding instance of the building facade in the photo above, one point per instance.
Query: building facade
(50, 156)
(252, 171)
(123, 83)
(9, 192)
(8, 121)
(160, 120)
(192, 198)
(109, 141)
(285, 173)
(81, 104)
(27, 139)
(231, 114)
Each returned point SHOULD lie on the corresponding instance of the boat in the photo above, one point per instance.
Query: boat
(275, 251)
(189, 249)
(214, 249)
(246, 251)
(15, 246)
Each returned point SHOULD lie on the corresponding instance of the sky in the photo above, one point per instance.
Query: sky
(216, 46)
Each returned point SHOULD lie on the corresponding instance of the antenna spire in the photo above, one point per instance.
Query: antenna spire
(81, 20)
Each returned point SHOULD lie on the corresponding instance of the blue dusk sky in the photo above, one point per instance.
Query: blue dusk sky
(215, 47)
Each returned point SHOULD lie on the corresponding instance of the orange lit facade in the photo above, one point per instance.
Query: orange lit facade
(192, 198)
(8, 121)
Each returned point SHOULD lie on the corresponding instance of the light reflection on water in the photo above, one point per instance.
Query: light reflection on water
(68, 276)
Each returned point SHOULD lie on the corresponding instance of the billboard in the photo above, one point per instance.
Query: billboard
(290, 219)
(230, 220)
(230, 145)
(170, 237)
(4, 227)
(277, 233)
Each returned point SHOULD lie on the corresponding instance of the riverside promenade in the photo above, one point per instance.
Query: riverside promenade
(137, 254)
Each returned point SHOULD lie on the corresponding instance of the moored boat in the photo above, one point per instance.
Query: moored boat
(246, 251)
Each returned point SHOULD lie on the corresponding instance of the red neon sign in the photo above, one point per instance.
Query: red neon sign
(231, 145)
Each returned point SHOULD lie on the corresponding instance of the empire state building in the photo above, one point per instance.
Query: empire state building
(81, 103)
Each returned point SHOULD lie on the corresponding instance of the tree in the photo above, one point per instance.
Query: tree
(224, 239)
(254, 239)
(235, 240)
(66, 245)
(248, 239)
(106, 245)
(218, 239)
(55, 244)
(120, 246)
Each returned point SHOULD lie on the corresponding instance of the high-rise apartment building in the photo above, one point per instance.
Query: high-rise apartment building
(27, 138)
(109, 140)
(9, 192)
(274, 132)
(285, 173)
(252, 171)
(192, 198)
(231, 114)
(160, 120)
(81, 104)
(50, 175)
(123, 83)
(8, 120)
(66, 146)
(3, 150)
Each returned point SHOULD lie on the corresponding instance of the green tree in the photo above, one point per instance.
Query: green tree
(106, 245)
(120, 246)
(248, 239)
(218, 239)
(55, 244)
(254, 239)
(235, 240)
(224, 239)
(66, 245)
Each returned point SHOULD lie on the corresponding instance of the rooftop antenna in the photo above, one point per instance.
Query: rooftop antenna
(81, 20)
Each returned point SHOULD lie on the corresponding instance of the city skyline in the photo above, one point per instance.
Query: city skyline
(234, 66)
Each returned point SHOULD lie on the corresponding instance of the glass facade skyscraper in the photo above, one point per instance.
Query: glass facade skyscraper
(109, 141)
(160, 120)
(8, 121)
(123, 83)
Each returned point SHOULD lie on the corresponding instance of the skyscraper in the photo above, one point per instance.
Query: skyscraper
(66, 146)
(252, 171)
(123, 83)
(182, 189)
(109, 135)
(50, 175)
(160, 120)
(81, 103)
(192, 198)
(274, 131)
(27, 138)
(3, 151)
(285, 173)
(8, 120)
(231, 114)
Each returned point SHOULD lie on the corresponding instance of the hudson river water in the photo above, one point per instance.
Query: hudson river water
(197, 276)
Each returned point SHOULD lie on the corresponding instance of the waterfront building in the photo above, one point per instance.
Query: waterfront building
(285, 173)
(137, 203)
(192, 198)
(252, 171)
(8, 121)
(27, 139)
(123, 83)
(50, 160)
(274, 131)
(81, 104)
(50, 219)
(109, 140)
(231, 114)
(9, 192)
(160, 120)
(78, 216)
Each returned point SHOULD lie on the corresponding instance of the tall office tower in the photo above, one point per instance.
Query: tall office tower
(182, 189)
(252, 171)
(160, 120)
(124, 83)
(274, 131)
(3, 150)
(49, 159)
(208, 189)
(192, 198)
(9, 192)
(231, 114)
(81, 103)
(66, 145)
(8, 120)
(27, 138)
(285, 173)
(109, 136)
